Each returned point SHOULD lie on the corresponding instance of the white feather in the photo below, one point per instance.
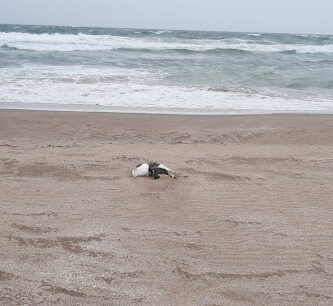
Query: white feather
(142, 170)
(164, 167)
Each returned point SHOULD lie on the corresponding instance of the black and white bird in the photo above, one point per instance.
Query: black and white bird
(151, 169)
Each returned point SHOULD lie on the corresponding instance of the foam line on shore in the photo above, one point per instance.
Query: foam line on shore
(147, 110)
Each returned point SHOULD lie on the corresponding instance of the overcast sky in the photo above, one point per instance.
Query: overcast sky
(292, 16)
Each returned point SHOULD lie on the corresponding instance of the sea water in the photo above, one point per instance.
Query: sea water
(87, 68)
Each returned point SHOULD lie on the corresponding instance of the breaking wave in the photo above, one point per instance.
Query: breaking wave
(86, 42)
(166, 69)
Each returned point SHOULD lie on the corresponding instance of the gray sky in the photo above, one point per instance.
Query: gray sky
(293, 16)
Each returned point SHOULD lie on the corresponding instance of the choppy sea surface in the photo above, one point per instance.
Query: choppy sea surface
(161, 70)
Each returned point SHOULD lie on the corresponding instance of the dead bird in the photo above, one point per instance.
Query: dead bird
(152, 169)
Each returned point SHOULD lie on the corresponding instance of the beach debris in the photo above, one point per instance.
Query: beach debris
(152, 169)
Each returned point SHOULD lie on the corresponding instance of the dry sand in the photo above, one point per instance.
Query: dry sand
(248, 221)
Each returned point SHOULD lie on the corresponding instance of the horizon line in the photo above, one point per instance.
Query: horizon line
(163, 29)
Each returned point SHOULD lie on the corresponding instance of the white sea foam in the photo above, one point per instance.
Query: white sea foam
(308, 35)
(162, 32)
(91, 86)
(70, 42)
(254, 34)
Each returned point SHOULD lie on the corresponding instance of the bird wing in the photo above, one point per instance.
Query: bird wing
(164, 167)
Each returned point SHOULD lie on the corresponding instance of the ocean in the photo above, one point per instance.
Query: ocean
(164, 71)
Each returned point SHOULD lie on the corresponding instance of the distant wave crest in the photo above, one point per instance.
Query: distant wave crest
(6, 47)
(86, 42)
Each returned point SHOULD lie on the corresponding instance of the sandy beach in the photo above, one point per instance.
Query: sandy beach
(248, 221)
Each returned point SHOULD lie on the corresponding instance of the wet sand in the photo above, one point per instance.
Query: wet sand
(249, 221)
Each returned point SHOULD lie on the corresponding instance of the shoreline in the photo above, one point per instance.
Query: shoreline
(90, 108)
(248, 220)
